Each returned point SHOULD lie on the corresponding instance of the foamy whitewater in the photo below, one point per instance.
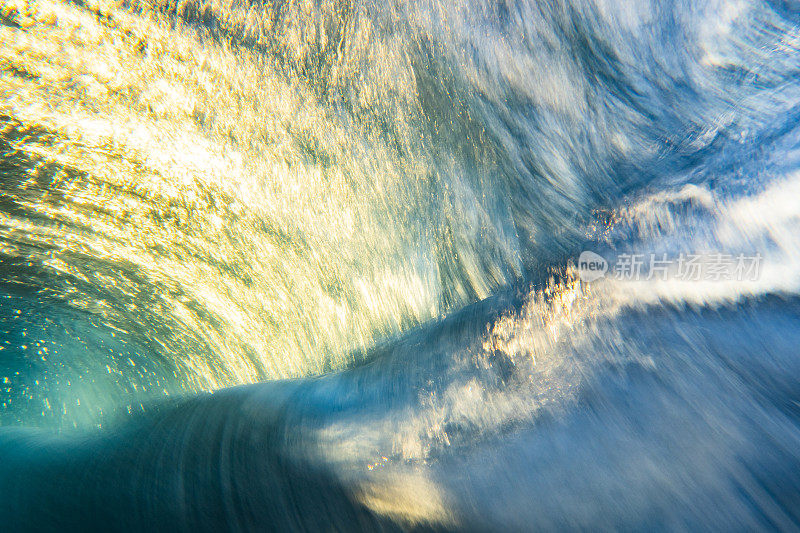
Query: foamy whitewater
(305, 265)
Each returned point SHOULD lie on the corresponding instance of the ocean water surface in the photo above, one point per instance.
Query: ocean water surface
(399, 265)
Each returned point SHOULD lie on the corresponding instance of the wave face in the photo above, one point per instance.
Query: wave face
(316, 265)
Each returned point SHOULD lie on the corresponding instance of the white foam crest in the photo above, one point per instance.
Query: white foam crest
(764, 227)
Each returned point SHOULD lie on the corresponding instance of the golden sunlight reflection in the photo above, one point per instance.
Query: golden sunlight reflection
(272, 235)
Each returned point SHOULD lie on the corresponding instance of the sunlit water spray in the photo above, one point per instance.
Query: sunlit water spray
(194, 197)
